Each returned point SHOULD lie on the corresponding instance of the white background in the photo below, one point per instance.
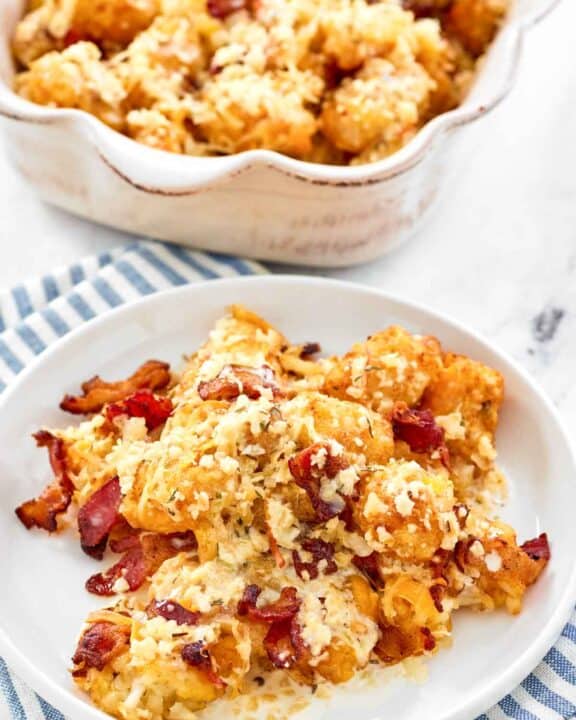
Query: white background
(499, 252)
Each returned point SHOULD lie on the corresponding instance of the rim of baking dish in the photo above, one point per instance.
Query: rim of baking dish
(161, 172)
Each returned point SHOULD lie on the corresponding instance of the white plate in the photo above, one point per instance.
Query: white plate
(42, 598)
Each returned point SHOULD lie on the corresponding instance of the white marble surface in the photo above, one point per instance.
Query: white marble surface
(499, 254)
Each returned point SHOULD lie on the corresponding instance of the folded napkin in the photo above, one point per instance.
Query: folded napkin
(37, 313)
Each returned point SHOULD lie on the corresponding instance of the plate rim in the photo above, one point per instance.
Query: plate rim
(72, 703)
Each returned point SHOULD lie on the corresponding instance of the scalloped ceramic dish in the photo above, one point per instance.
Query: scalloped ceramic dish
(43, 600)
(258, 203)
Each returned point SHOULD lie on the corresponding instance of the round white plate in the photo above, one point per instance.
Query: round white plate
(42, 597)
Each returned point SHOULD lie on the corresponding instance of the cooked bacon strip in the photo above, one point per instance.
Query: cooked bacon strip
(222, 8)
(100, 644)
(42, 512)
(285, 608)
(249, 598)
(132, 567)
(279, 645)
(419, 430)
(440, 562)
(429, 641)
(171, 610)
(437, 593)
(309, 467)
(143, 403)
(538, 548)
(320, 551)
(152, 375)
(370, 567)
(139, 562)
(196, 654)
(97, 517)
(235, 380)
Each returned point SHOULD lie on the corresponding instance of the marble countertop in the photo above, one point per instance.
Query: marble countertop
(499, 254)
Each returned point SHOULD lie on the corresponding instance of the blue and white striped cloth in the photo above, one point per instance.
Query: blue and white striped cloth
(37, 313)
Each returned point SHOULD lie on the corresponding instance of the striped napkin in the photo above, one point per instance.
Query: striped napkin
(36, 314)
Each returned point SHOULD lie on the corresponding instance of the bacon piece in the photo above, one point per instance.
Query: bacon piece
(132, 567)
(222, 8)
(309, 467)
(419, 430)
(429, 641)
(283, 642)
(370, 568)
(309, 348)
(139, 562)
(249, 598)
(461, 511)
(171, 610)
(97, 517)
(437, 593)
(320, 550)
(235, 380)
(100, 644)
(538, 548)
(279, 645)
(461, 553)
(196, 654)
(440, 561)
(123, 537)
(143, 403)
(152, 375)
(282, 609)
(42, 512)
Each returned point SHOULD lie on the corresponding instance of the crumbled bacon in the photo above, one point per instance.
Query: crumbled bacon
(437, 593)
(309, 348)
(419, 430)
(222, 8)
(309, 467)
(462, 553)
(320, 551)
(538, 548)
(139, 562)
(97, 517)
(279, 645)
(152, 375)
(369, 566)
(285, 608)
(143, 404)
(43, 511)
(99, 644)
(274, 549)
(196, 654)
(171, 610)
(283, 642)
(235, 380)
(123, 537)
(131, 567)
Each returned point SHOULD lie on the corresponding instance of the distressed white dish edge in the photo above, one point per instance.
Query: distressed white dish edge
(308, 309)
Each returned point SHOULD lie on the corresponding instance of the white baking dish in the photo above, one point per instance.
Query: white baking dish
(259, 203)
